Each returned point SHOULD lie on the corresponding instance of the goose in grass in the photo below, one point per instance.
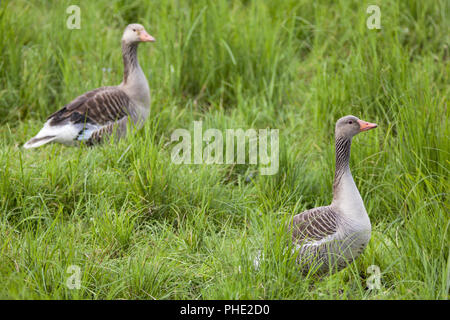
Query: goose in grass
(330, 237)
(98, 113)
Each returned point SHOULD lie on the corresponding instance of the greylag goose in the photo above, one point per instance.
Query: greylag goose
(100, 112)
(331, 237)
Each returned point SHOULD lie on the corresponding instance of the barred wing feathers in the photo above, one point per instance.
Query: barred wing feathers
(314, 225)
(88, 117)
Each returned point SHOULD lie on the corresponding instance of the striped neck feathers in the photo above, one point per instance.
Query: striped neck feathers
(130, 60)
(343, 146)
(346, 196)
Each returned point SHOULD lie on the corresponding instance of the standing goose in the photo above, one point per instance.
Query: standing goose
(332, 236)
(100, 112)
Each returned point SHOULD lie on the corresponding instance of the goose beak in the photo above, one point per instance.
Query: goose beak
(145, 37)
(364, 126)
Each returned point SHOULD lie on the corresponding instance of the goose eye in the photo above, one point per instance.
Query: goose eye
(350, 121)
(134, 30)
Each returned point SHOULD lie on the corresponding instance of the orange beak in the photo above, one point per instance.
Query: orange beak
(364, 126)
(145, 37)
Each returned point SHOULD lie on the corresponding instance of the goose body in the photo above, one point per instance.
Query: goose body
(101, 112)
(333, 236)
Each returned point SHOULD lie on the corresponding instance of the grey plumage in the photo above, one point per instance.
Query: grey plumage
(102, 108)
(314, 224)
(101, 112)
(329, 238)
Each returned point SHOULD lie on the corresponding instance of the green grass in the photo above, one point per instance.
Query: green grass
(142, 227)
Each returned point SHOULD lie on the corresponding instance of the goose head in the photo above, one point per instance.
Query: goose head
(135, 33)
(349, 126)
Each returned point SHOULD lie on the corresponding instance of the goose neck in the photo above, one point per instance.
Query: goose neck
(130, 60)
(343, 146)
(346, 197)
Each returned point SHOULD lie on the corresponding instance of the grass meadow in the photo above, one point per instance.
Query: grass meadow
(139, 226)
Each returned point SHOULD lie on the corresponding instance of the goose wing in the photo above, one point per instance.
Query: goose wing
(314, 224)
(97, 107)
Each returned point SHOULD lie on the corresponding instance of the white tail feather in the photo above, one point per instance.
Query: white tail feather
(65, 134)
(37, 142)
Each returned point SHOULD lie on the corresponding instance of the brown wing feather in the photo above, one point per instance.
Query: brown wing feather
(314, 224)
(99, 106)
(118, 127)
